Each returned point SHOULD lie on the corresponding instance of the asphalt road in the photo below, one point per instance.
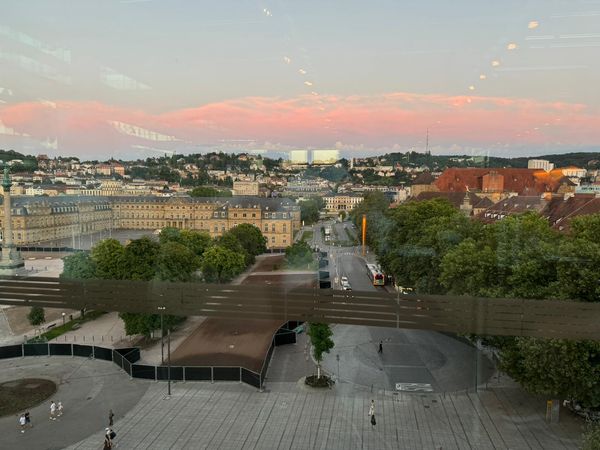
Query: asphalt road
(412, 360)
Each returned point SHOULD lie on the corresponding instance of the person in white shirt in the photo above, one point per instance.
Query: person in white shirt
(59, 408)
(22, 422)
(52, 410)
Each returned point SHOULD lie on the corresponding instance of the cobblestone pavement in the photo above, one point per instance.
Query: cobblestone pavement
(286, 415)
(290, 416)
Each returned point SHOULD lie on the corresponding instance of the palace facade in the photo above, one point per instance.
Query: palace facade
(43, 219)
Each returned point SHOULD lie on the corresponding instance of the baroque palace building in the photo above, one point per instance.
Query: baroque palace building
(45, 219)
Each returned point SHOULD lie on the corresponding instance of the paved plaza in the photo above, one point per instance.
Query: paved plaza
(286, 415)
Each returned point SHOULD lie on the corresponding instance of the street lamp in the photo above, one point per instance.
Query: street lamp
(169, 362)
(63, 316)
(162, 342)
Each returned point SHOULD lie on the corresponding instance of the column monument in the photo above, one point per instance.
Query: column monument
(11, 259)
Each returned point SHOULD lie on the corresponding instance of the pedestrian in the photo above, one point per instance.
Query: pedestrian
(372, 413)
(52, 410)
(59, 408)
(380, 347)
(111, 435)
(107, 443)
(110, 418)
(22, 422)
(28, 420)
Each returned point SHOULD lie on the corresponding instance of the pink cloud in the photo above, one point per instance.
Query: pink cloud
(371, 121)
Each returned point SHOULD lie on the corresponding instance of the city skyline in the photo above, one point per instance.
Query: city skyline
(135, 78)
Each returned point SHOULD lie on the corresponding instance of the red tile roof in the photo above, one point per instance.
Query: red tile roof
(534, 181)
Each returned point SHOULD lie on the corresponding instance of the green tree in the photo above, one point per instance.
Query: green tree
(591, 437)
(309, 210)
(140, 259)
(469, 269)
(109, 257)
(170, 234)
(176, 262)
(320, 339)
(251, 239)
(221, 264)
(36, 316)
(196, 241)
(205, 191)
(299, 254)
(578, 264)
(374, 206)
(415, 240)
(78, 266)
(555, 367)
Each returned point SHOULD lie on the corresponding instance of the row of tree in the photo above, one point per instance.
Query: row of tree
(433, 248)
(178, 255)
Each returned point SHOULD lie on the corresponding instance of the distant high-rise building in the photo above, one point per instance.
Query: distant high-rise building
(540, 164)
(324, 157)
(298, 157)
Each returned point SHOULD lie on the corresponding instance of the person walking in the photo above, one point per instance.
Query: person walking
(372, 413)
(110, 418)
(28, 420)
(107, 443)
(380, 347)
(22, 422)
(110, 435)
(59, 409)
(52, 410)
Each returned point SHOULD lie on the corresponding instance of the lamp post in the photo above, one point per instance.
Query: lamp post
(63, 316)
(162, 342)
(169, 362)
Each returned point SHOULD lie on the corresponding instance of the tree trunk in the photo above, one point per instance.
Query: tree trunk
(319, 371)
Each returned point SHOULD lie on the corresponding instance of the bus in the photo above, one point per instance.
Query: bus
(375, 275)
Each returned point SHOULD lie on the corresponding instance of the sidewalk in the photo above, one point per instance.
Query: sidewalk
(286, 415)
(232, 416)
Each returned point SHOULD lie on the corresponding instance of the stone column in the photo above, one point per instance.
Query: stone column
(11, 258)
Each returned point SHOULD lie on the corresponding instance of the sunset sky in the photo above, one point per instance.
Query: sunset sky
(136, 78)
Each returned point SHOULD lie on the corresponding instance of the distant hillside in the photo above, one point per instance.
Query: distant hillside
(29, 161)
(584, 160)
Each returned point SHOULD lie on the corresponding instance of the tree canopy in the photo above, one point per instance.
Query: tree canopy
(221, 264)
(309, 210)
(432, 248)
(36, 316)
(299, 254)
(251, 239)
(320, 339)
(205, 191)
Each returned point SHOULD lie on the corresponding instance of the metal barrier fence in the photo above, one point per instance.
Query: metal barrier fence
(126, 359)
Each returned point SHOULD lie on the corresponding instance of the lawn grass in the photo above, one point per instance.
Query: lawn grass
(307, 235)
(69, 326)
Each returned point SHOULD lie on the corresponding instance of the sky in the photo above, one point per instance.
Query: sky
(129, 79)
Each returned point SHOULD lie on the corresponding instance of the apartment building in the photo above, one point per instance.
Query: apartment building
(245, 187)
